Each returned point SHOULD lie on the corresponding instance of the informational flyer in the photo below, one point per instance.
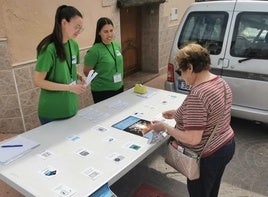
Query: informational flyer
(135, 125)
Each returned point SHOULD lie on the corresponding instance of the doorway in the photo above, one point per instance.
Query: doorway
(130, 27)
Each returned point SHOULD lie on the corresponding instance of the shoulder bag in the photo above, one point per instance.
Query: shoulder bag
(184, 160)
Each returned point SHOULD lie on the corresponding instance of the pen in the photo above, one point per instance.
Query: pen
(11, 146)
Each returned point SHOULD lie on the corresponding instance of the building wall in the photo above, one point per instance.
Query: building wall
(25, 24)
(167, 29)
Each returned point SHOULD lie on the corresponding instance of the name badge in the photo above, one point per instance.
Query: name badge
(74, 60)
(72, 82)
(118, 53)
(117, 77)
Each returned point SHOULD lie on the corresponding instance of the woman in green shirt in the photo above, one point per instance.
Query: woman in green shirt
(55, 71)
(106, 59)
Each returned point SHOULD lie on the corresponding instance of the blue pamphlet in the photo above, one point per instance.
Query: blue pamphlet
(135, 125)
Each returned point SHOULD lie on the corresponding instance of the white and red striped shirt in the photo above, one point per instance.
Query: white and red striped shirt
(202, 109)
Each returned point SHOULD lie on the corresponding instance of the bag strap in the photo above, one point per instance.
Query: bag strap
(215, 128)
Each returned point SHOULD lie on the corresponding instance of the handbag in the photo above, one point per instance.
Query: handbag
(184, 160)
(188, 165)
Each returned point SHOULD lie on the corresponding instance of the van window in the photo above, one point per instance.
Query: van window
(206, 29)
(250, 38)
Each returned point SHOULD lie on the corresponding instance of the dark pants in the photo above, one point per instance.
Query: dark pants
(100, 96)
(47, 120)
(211, 171)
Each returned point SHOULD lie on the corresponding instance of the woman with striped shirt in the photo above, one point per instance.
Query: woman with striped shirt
(203, 108)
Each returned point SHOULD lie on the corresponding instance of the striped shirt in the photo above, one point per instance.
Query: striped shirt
(202, 109)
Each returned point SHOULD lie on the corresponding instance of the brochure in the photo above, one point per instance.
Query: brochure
(135, 125)
(91, 75)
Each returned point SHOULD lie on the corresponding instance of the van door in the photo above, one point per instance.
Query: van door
(207, 25)
(247, 54)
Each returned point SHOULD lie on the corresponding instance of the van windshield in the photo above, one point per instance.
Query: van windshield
(250, 38)
(206, 29)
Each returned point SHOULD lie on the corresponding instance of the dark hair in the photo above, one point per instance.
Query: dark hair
(193, 54)
(63, 12)
(101, 22)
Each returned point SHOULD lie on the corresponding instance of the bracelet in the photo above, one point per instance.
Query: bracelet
(70, 88)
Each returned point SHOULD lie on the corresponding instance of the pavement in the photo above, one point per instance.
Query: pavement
(245, 176)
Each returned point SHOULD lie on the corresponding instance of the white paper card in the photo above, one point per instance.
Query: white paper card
(91, 75)
(15, 147)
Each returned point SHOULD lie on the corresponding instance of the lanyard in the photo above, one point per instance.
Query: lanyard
(70, 65)
(113, 55)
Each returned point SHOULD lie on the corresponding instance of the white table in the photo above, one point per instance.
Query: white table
(63, 140)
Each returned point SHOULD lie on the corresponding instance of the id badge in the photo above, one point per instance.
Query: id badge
(74, 60)
(73, 82)
(117, 77)
(118, 53)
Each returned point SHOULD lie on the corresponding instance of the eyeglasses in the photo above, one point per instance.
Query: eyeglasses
(78, 28)
(178, 71)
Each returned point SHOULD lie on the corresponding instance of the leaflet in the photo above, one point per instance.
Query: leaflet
(91, 75)
(15, 147)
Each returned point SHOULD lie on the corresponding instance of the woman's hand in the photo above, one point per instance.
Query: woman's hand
(83, 80)
(170, 114)
(157, 126)
(77, 89)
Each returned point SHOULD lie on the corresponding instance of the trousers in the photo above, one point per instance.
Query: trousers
(102, 95)
(211, 171)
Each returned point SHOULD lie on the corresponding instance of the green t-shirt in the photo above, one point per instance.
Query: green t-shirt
(58, 104)
(107, 62)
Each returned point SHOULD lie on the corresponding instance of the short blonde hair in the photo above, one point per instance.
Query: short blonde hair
(193, 54)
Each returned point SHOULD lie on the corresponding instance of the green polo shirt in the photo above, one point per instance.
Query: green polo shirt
(106, 62)
(58, 104)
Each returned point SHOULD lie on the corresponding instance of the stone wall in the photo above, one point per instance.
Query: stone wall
(157, 38)
(166, 38)
(19, 96)
(10, 112)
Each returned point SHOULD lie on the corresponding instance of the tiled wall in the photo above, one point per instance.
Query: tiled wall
(19, 96)
(150, 16)
(157, 39)
(166, 38)
(10, 113)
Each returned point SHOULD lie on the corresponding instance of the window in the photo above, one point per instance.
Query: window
(250, 38)
(206, 29)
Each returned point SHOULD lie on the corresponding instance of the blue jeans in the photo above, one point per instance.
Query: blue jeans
(211, 171)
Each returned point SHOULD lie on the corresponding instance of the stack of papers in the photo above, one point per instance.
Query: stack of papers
(14, 148)
(91, 75)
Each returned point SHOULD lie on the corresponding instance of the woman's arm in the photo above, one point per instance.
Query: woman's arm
(87, 69)
(192, 137)
(40, 81)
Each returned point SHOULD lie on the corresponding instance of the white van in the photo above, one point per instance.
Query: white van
(236, 34)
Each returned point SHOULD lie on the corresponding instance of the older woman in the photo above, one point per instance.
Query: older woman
(203, 108)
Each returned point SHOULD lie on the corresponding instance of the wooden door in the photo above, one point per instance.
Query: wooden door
(130, 20)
